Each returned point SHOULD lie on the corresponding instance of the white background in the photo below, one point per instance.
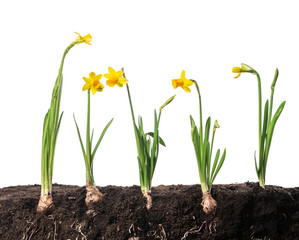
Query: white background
(153, 41)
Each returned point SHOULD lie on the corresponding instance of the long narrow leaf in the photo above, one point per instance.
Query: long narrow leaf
(263, 136)
(219, 165)
(161, 141)
(215, 162)
(80, 139)
(100, 139)
(256, 168)
(271, 130)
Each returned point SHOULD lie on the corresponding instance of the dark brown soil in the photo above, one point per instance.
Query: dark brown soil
(245, 211)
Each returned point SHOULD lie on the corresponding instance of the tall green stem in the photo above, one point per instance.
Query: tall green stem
(200, 108)
(260, 122)
(131, 106)
(89, 175)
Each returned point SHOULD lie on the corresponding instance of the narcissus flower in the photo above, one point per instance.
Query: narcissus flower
(243, 68)
(93, 83)
(114, 77)
(182, 82)
(216, 125)
(87, 39)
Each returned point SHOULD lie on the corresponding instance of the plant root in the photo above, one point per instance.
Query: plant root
(30, 230)
(132, 231)
(93, 195)
(77, 227)
(149, 202)
(194, 230)
(161, 234)
(209, 205)
(45, 203)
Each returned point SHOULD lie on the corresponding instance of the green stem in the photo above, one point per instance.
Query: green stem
(200, 108)
(131, 106)
(260, 119)
(89, 177)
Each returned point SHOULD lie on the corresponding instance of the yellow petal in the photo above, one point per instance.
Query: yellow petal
(188, 82)
(119, 84)
(186, 89)
(87, 39)
(86, 79)
(107, 75)
(183, 75)
(86, 87)
(123, 80)
(93, 90)
(98, 77)
(119, 74)
(92, 75)
(111, 71)
(237, 75)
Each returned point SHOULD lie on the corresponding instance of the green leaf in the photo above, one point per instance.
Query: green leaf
(91, 138)
(80, 139)
(160, 139)
(219, 165)
(207, 129)
(271, 130)
(256, 168)
(100, 139)
(215, 162)
(263, 136)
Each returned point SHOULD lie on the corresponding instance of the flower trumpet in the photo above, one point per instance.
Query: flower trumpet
(266, 128)
(93, 195)
(203, 150)
(51, 126)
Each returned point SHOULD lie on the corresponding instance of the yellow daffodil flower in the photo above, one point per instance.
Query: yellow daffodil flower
(93, 83)
(237, 70)
(243, 68)
(114, 77)
(182, 82)
(87, 39)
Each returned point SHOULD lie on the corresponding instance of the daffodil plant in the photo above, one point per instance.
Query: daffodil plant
(147, 143)
(203, 148)
(266, 128)
(93, 195)
(51, 126)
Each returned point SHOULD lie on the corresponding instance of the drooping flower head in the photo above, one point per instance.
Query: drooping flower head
(216, 125)
(93, 83)
(182, 82)
(114, 77)
(243, 68)
(86, 39)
